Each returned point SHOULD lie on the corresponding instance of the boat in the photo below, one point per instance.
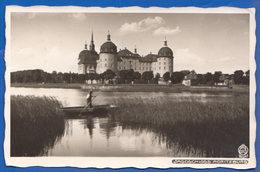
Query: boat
(94, 110)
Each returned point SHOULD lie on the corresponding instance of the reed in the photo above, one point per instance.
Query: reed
(216, 127)
(36, 124)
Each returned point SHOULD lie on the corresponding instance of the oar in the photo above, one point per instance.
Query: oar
(89, 103)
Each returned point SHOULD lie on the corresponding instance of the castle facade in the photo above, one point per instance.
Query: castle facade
(109, 58)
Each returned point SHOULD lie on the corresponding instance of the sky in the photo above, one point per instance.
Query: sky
(200, 42)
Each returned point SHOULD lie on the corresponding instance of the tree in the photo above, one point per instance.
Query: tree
(53, 76)
(66, 78)
(216, 76)
(130, 76)
(166, 76)
(200, 79)
(177, 77)
(81, 78)
(156, 78)
(123, 75)
(147, 76)
(208, 78)
(27, 78)
(247, 77)
(91, 76)
(238, 76)
(109, 75)
(36, 76)
(46, 77)
(136, 75)
(185, 72)
(97, 77)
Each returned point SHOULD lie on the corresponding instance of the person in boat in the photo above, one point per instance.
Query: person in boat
(89, 98)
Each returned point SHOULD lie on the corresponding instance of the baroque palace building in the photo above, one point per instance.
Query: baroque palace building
(109, 58)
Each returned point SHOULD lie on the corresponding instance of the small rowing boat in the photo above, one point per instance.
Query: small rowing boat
(97, 109)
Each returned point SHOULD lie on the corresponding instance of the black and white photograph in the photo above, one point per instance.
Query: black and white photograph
(130, 87)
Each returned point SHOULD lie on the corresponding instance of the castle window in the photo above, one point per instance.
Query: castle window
(155, 68)
(159, 63)
(112, 50)
(164, 68)
(146, 68)
(90, 67)
(159, 68)
(105, 60)
(119, 67)
(135, 68)
(143, 68)
(139, 68)
(165, 63)
(105, 65)
(111, 65)
(124, 67)
(164, 58)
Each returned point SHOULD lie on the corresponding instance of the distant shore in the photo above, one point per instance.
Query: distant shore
(136, 87)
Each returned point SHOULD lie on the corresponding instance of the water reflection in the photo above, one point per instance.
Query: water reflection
(105, 136)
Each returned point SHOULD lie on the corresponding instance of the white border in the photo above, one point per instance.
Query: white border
(120, 162)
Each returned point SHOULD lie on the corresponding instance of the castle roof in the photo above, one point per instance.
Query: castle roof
(108, 47)
(88, 57)
(149, 58)
(165, 51)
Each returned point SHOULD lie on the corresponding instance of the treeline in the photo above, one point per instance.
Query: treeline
(125, 77)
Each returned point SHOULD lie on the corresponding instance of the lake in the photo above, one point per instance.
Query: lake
(104, 136)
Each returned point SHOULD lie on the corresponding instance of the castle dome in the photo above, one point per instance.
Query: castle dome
(165, 51)
(86, 56)
(108, 47)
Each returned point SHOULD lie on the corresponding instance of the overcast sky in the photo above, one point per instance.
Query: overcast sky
(200, 42)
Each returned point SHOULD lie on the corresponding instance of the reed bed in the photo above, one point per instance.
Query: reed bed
(36, 124)
(216, 127)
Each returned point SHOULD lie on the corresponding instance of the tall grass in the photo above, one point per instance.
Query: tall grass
(216, 127)
(36, 124)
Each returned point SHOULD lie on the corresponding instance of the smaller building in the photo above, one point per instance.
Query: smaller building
(190, 79)
(223, 80)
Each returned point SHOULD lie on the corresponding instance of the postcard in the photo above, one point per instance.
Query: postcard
(130, 87)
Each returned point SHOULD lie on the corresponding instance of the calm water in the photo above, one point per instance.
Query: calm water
(103, 136)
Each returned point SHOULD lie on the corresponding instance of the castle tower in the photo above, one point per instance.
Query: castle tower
(87, 59)
(92, 45)
(107, 56)
(164, 61)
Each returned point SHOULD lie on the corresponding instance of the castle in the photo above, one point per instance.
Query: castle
(109, 58)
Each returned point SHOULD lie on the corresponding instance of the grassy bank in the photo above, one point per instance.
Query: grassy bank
(36, 124)
(214, 128)
(47, 85)
(135, 87)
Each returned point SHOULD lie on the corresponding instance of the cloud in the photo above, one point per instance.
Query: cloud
(226, 59)
(166, 31)
(78, 16)
(141, 26)
(185, 59)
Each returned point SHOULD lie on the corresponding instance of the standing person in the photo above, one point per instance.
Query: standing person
(89, 98)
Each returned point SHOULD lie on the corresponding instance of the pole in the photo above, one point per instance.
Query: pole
(90, 102)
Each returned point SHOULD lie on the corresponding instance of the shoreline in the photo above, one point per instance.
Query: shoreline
(136, 87)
